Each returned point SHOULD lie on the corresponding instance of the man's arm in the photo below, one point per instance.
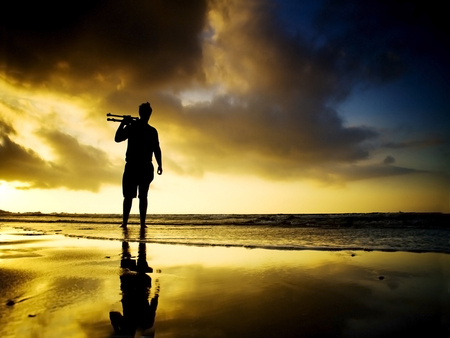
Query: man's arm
(121, 134)
(158, 155)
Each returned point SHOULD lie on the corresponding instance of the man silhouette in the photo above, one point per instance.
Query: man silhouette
(143, 142)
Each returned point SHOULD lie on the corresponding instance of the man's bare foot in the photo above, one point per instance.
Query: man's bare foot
(123, 225)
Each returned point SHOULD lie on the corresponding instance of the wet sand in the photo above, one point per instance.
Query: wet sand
(55, 286)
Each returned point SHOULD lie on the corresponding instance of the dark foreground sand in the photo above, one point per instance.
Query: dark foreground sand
(53, 286)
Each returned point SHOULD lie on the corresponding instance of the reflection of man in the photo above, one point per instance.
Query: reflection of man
(143, 142)
(138, 313)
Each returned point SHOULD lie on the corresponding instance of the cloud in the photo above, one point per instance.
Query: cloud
(356, 173)
(18, 163)
(378, 41)
(6, 128)
(389, 160)
(151, 42)
(76, 166)
(278, 117)
(274, 95)
(249, 136)
(418, 143)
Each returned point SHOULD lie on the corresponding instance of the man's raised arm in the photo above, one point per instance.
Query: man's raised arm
(121, 134)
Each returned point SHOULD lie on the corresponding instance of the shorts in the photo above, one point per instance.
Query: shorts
(137, 176)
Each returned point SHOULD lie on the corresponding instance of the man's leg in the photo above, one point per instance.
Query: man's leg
(146, 177)
(127, 202)
(143, 203)
(129, 189)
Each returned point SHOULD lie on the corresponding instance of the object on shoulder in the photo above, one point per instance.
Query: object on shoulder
(111, 117)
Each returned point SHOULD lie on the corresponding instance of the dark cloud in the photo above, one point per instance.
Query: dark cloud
(280, 120)
(251, 136)
(76, 166)
(354, 173)
(375, 42)
(86, 166)
(419, 143)
(275, 114)
(389, 160)
(149, 41)
(18, 163)
(6, 128)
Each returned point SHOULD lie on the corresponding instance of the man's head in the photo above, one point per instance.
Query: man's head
(145, 111)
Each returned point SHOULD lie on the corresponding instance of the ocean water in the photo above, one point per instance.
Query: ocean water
(414, 232)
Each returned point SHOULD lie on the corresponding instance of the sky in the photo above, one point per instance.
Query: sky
(262, 106)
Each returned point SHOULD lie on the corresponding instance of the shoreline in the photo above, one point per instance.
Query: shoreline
(59, 284)
(261, 237)
(246, 246)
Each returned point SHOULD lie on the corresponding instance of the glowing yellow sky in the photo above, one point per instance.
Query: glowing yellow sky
(243, 112)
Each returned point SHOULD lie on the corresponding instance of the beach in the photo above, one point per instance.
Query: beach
(54, 285)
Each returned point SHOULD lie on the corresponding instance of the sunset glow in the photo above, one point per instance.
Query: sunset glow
(261, 106)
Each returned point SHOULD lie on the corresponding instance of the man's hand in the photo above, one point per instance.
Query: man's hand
(127, 120)
(159, 171)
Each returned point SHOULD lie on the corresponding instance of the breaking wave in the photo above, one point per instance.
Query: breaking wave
(382, 232)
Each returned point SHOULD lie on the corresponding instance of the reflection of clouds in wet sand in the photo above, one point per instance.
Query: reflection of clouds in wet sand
(52, 287)
(220, 292)
(323, 294)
